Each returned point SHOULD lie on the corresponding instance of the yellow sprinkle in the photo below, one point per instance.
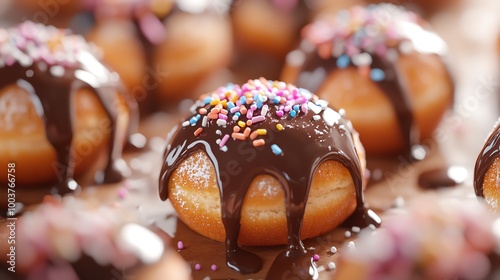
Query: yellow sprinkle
(224, 103)
(214, 102)
(261, 131)
(242, 124)
(279, 126)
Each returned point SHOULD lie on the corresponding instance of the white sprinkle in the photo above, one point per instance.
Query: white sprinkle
(186, 123)
(204, 121)
(351, 245)
(57, 71)
(355, 229)
(218, 132)
(321, 268)
(315, 108)
(331, 266)
(347, 234)
(218, 141)
(235, 118)
(29, 73)
(322, 103)
(224, 149)
(333, 250)
(263, 112)
(316, 117)
(363, 59)
(372, 227)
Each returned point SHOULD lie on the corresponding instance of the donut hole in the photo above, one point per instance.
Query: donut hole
(370, 110)
(491, 191)
(23, 139)
(194, 194)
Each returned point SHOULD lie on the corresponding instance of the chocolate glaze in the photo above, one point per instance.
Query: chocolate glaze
(487, 156)
(439, 178)
(393, 86)
(55, 95)
(305, 144)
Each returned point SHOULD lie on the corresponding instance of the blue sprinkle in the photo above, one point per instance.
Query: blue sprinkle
(193, 120)
(377, 75)
(237, 114)
(198, 117)
(276, 100)
(207, 100)
(243, 99)
(293, 113)
(296, 107)
(230, 105)
(230, 86)
(276, 149)
(259, 104)
(343, 61)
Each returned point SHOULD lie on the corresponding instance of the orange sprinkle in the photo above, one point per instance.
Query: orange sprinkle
(238, 136)
(247, 131)
(249, 123)
(243, 110)
(215, 110)
(259, 142)
(202, 111)
(213, 116)
(283, 100)
(224, 111)
(249, 101)
(198, 131)
(364, 71)
(236, 128)
(254, 135)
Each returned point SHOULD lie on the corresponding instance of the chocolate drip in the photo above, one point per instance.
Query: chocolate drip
(53, 96)
(487, 156)
(393, 86)
(441, 178)
(305, 144)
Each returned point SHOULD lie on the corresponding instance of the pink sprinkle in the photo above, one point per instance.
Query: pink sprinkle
(222, 116)
(315, 257)
(224, 140)
(213, 267)
(235, 109)
(197, 267)
(122, 193)
(279, 113)
(180, 245)
(288, 108)
(258, 119)
(253, 107)
(250, 114)
(304, 108)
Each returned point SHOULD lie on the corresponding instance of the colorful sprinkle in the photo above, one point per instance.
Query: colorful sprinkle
(276, 149)
(224, 140)
(180, 245)
(197, 267)
(258, 143)
(377, 75)
(279, 126)
(213, 267)
(315, 257)
(198, 131)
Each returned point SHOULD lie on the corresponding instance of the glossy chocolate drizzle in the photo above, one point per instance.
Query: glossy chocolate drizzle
(488, 155)
(305, 144)
(53, 95)
(393, 86)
